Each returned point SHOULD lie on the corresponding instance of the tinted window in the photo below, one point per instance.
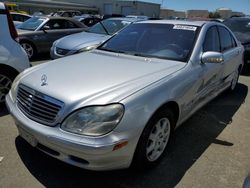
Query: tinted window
(60, 24)
(69, 24)
(32, 23)
(109, 26)
(212, 42)
(164, 41)
(226, 40)
(233, 41)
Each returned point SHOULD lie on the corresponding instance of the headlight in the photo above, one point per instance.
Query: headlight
(88, 48)
(247, 47)
(94, 120)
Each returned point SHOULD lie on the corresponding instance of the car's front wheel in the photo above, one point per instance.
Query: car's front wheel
(154, 139)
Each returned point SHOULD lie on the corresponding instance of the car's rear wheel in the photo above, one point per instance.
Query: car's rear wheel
(29, 49)
(6, 80)
(235, 79)
(154, 139)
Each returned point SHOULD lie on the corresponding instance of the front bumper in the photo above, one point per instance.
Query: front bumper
(93, 153)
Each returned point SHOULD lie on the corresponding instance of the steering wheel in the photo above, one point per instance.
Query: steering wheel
(176, 48)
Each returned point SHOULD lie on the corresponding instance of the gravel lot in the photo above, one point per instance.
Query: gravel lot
(212, 149)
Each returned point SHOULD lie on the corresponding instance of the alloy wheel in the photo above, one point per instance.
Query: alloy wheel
(235, 80)
(28, 49)
(158, 139)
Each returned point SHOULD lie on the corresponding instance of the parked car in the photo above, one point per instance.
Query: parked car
(38, 33)
(13, 58)
(87, 20)
(19, 18)
(106, 16)
(241, 28)
(119, 104)
(89, 39)
(141, 17)
(67, 13)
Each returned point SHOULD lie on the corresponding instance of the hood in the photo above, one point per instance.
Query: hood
(242, 37)
(24, 32)
(80, 40)
(97, 77)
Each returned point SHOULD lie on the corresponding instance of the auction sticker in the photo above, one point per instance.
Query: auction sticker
(185, 27)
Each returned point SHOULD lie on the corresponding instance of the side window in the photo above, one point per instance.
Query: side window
(54, 24)
(212, 42)
(66, 14)
(69, 24)
(226, 39)
(233, 41)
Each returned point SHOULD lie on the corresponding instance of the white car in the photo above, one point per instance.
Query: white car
(13, 58)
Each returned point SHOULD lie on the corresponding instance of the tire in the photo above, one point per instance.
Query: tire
(235, 80)
(6, 79)
(154, 139)
(29, 49)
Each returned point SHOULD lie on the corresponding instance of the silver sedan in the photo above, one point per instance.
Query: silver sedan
(118, 105)
(89, 39)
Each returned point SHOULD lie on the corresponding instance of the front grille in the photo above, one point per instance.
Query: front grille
(37, 106)
(61, 51)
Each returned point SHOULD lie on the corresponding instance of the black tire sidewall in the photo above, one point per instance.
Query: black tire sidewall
(11, 76)
(140, 159)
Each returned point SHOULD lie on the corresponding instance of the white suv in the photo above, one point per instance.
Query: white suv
(13, 58)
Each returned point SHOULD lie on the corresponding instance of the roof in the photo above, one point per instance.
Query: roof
(16, 13)
(239, 18)
(182, 22)
(143, 1)
(124, 19)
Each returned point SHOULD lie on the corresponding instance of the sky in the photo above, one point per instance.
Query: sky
(211, 5)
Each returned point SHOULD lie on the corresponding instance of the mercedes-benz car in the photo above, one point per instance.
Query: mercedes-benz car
(38, 33)
(118, 105)
(89, 39)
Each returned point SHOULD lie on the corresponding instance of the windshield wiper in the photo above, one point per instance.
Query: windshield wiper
(104, 28)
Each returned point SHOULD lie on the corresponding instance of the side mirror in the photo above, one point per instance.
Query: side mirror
(45, 28)
(212, 57)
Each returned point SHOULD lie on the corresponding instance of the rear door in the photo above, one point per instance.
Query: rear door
(230, 52)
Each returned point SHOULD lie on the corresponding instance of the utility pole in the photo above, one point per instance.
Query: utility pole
(162, 1)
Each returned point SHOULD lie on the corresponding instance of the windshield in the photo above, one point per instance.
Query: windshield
(32, 24)
(108, 27)
(165, 41)
(239, 25)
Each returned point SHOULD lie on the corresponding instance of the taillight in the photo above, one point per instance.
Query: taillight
(12, 28)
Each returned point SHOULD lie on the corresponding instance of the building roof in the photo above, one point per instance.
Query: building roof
(142, 1)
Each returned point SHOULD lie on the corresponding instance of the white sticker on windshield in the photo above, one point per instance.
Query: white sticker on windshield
(185, 27)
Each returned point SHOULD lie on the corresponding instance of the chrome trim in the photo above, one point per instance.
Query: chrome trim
(38, 106)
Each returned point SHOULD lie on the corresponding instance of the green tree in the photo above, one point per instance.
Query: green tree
(214, 15)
